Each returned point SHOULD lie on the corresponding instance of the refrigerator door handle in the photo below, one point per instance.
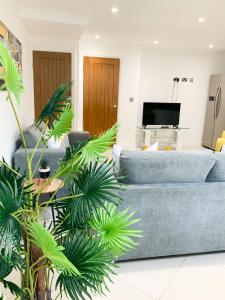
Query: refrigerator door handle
(218, 102)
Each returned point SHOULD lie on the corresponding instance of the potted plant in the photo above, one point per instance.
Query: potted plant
(80, 250)
(44, 169)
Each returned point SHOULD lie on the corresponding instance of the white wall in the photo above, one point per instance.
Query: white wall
(147, 75)
(158, 68)
(130, 59)
(9, 15)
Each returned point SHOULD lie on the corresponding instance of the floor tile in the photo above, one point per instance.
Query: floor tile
(200, 278)
(150, 276)
(120, 291)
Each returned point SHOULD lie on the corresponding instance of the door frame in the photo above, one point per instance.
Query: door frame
(80, 108)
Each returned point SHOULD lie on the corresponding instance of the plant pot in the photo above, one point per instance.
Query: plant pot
(44, 173)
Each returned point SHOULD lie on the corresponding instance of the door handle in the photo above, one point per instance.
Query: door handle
(114, 106)
(218, 102)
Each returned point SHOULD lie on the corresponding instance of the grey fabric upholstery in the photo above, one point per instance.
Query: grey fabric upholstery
(51, 155)
(180, 217)
(78, 136)
(218, 171)
(177, 218)
(32, 135)
(142, 167)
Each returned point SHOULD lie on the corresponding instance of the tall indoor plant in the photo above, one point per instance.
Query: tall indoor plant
(90, 233)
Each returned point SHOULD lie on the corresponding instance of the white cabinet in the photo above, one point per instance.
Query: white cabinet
(168, 138)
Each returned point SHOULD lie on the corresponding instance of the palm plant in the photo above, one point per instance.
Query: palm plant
(89, 235)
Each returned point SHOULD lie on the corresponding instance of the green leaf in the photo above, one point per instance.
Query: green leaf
(14, 289)
(5, 268)
(91, 151)
(94, 263)
(114, 229)
(95, 148)
(10, 231)
(53, 252)
(56, 104)
(63, 124)
(10, 75)
(13, 195)
(97, 184)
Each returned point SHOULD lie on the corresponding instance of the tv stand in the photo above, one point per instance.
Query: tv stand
(168, 137)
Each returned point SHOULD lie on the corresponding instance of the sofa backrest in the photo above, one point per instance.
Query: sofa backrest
(142, 167)
(217, 173)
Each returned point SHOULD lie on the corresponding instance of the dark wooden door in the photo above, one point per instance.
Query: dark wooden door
(101, 85)
(50, 70)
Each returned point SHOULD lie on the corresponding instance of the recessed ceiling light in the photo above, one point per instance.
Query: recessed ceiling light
(97, 36)
(211, 46)
(115, 10)
(201, 19)
(156, 42)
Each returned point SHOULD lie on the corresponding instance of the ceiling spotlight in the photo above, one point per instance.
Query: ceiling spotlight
(115, 10)
(156, 42)
(211, 46)
(201, 20)
(97, 36)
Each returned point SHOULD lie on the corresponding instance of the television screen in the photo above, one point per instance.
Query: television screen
(161, 113)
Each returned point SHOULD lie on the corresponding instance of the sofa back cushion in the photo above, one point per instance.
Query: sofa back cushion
(32, 135)
(217, 174)
(140, 167)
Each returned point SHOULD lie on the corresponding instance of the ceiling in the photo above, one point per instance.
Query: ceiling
(174, 23)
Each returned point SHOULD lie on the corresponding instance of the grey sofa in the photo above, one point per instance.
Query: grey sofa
(180, 198)
(32, 134)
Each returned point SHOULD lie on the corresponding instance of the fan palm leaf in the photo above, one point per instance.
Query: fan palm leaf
(114, 229)
(44, 240)
(14, 289)
(90, 151)
(13, 196)
(10, 74)
(11, 200)
(94, 263)
(62, 124)
(6, 267)
(96, 183)
(56, 104)
(93, 150)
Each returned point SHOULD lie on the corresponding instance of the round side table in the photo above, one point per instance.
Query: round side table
(39, 186)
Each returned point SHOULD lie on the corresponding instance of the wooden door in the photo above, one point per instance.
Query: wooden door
(101, 85)
(51, 69)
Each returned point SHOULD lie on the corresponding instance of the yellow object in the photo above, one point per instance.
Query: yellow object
(223, 135)
(168, 148)
(220, 143)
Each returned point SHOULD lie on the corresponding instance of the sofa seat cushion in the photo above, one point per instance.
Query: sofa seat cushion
(217, 174)
(140, 167)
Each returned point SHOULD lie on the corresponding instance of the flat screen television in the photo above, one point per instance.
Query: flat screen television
(161, 113)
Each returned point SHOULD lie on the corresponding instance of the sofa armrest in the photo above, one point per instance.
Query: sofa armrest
(78, 136)
(51, 155)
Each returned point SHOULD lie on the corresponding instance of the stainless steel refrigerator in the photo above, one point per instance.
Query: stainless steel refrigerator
(215, 113)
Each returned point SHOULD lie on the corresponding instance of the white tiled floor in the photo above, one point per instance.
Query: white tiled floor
(197, 277)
